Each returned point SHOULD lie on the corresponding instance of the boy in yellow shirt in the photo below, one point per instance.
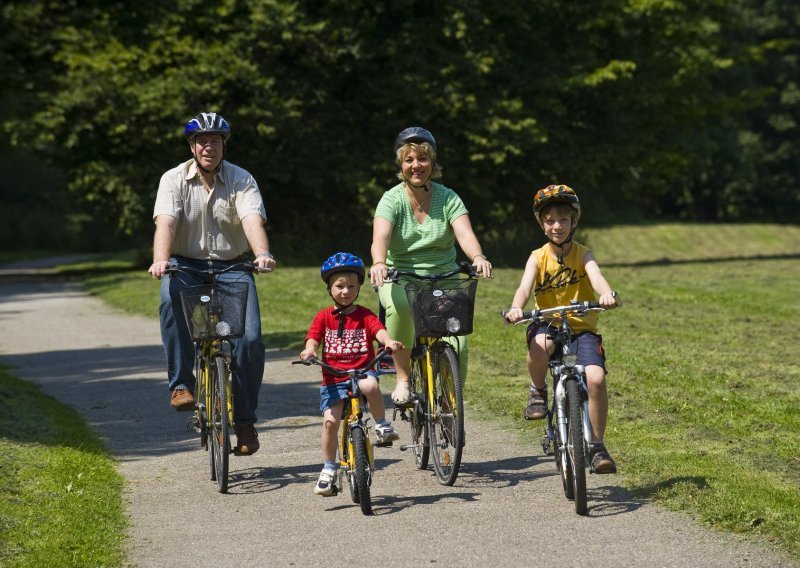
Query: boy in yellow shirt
(557, 273)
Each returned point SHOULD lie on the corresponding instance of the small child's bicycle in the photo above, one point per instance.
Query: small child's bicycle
(568, 431)
(442, 305)
(356, 459)
(215, 314)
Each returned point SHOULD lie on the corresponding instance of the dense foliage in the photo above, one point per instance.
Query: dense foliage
(649, 108)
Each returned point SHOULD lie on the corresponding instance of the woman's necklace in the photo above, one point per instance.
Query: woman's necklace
(417, 204)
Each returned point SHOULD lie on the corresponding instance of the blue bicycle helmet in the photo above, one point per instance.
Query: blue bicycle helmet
(342, 262)
(208, 123)
(416, 135)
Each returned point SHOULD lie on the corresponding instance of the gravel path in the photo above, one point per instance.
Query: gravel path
(506, 509)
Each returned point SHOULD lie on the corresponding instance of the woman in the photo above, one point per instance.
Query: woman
(415, 228)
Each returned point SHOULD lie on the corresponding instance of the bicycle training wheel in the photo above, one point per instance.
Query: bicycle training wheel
(575, 444)
(446, 425)
(360, 476)
(219, 428)
(419, 426)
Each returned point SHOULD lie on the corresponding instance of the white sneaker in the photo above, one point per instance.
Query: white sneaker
(325, 484)
(386, 434)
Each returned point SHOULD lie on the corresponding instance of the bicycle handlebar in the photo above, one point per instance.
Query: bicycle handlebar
(245, 265)
(464, 267)
(382, 353)
(578, 308)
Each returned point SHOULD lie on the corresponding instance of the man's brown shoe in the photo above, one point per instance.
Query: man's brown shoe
(246, 440)
(182, 400)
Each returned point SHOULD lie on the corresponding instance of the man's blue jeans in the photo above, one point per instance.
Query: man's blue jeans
(179, 348)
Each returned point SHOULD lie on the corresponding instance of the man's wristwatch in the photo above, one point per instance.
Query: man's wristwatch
(266, 255)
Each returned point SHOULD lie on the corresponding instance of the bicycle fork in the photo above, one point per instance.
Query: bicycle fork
(560, 407)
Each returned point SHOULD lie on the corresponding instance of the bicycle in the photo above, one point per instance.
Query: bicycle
(215, 315)
(355, 452)
(568, 431)
(441, 306)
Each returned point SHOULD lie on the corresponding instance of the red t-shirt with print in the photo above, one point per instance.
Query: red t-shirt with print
(351, 351)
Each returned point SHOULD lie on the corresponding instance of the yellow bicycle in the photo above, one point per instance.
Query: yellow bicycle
(215, 315)
(442, 305)
(356, 459)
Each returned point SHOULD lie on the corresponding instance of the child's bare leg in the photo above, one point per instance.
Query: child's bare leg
(330, 430)
(372, 391)
(598, 401)
(538, 359)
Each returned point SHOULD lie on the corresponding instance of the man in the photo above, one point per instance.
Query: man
(209, 212)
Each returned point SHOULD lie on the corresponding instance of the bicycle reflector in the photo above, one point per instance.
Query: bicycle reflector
(453, 325)
(223, 329)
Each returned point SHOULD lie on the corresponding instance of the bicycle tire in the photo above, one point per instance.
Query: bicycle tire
(220, 424)
(576, 445)
(349, 461)
(561, 454)
(361, 472)
(446, 425)
(419, 426)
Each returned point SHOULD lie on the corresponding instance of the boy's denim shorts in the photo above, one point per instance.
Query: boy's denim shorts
(331, 394)
(588, 345)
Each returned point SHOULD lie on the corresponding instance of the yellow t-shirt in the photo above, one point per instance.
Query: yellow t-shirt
(558, 284)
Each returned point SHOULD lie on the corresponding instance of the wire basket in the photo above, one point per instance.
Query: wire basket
(442, 308)
(209, 307)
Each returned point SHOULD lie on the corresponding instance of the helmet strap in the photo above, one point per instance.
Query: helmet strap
(339, 311)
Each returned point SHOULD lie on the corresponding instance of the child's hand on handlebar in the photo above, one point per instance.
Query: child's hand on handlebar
(608, 301)
(306, 354)
(513, 315)
(394, 346)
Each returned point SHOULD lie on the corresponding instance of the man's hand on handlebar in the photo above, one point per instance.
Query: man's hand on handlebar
(157, 269)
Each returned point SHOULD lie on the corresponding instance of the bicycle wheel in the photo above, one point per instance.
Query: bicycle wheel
(361, 474)
(219, 427)
(446, 425)
(419, 426)
(575, 444)
(563, 463)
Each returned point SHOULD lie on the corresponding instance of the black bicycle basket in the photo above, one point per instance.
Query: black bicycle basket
(208, 306)
(442, 308)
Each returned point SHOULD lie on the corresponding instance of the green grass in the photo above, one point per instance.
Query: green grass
(60, 494)
(702, 357)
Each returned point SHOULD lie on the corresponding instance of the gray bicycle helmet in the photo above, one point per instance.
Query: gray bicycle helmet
(208, 123)
(414, 134)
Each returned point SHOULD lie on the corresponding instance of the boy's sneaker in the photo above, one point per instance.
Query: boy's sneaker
(386, 435)
(537, 404)
(602, 462)
(326, 485)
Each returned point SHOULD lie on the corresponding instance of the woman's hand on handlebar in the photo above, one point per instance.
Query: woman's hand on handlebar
(482, 266)
(377, 274)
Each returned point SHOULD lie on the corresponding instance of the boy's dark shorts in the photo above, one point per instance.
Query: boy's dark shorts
(588, 345)
(331, 394)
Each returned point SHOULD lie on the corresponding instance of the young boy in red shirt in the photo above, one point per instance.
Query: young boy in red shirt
(347, 332)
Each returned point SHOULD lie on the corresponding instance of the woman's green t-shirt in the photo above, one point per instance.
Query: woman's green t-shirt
(425, 248)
